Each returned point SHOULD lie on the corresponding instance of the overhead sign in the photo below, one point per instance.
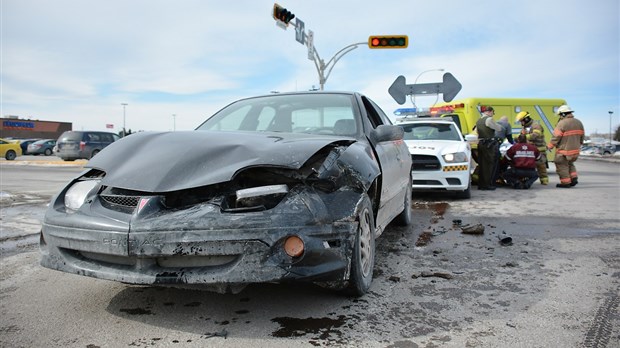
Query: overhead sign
(310, 44)
(299, 31)
(450, 87)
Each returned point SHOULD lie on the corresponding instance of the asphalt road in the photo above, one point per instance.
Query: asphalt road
(556, 285)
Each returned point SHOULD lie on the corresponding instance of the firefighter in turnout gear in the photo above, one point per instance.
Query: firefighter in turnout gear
(568, 136)
(488, 148)
(535, 135)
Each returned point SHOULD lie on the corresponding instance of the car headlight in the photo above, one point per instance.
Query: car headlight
(267, 196)
(455, 157)
(77, 193)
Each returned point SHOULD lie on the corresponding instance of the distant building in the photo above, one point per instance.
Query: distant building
(13, 127)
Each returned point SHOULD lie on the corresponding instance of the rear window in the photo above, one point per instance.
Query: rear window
(70, 136)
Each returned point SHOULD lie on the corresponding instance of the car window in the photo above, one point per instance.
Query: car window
(382, 116)
(107, 138)
(320, 114)
(429, 131)
(70, 136)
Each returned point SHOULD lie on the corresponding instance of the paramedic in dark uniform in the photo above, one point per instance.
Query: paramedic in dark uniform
(488, 148)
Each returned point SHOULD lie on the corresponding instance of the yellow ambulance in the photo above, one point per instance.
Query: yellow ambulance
(465, 112)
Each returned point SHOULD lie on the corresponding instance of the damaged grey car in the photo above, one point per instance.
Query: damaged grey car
(276, 188)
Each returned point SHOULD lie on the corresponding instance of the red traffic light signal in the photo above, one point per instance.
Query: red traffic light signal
(388, 41)
(281, 14)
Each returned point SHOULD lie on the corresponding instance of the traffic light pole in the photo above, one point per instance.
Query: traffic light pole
(284, 17)
(320, 65)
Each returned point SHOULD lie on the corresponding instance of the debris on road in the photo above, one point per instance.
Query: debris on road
(473, 229)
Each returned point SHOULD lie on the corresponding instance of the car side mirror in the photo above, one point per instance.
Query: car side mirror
(387, 132)
(470, 138)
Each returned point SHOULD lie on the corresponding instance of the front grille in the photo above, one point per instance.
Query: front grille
(124, 201)
(425, 162)
(120, 199)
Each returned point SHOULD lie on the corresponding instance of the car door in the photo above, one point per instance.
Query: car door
(395, 162)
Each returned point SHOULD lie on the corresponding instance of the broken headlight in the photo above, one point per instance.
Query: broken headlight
(76, 195)
(266, 196)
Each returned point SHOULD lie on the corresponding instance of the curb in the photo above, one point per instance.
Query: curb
(17, 162)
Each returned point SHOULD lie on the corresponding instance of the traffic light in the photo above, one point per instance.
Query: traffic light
(388, 41)
(281, 14)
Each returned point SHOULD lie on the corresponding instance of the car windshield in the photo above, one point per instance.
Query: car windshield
(431, 131)
(308, 113)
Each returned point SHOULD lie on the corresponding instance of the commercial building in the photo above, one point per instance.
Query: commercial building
(16, 128)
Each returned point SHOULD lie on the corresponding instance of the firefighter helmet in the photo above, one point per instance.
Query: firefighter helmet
(524, 118)
(564, 109)
(521, 116)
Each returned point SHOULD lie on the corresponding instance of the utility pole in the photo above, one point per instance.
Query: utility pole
(610, 133)
(124, 131)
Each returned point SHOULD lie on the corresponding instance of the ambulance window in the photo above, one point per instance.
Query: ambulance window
(517, 109)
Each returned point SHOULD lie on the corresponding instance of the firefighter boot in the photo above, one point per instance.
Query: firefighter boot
(573, 181)
(544, 181)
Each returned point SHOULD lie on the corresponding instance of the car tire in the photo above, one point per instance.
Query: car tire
(95, 152)
(406, 216)
(363, 257)
(466, 194)
(10, 155)
(48, 152)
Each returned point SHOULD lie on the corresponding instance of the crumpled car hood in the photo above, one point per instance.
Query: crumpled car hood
(170, 161)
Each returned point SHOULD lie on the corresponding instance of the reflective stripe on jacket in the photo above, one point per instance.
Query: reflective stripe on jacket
(568, 136)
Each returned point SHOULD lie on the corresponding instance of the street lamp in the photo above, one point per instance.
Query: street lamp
(416, 81)
(124, 105)
(174, 122)
(610, 134)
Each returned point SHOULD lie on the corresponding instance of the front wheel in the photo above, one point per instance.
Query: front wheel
(95, 152)
(10, 155)
(405, 217)
(363, 258)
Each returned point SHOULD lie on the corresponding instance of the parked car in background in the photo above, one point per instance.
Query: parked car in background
(598, 149)
(23, 143)
(72, 145)
(440, 154)
(276, 188)
(10, 149)
(606, 150)
(42, 147)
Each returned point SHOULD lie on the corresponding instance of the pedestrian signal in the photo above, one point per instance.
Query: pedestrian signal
(388, 41)
(281, 14)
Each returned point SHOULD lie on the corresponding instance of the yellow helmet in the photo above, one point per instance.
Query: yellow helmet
(520, 116)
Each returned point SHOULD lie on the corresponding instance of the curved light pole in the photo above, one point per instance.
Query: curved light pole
(416, 81)
(124, 131)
